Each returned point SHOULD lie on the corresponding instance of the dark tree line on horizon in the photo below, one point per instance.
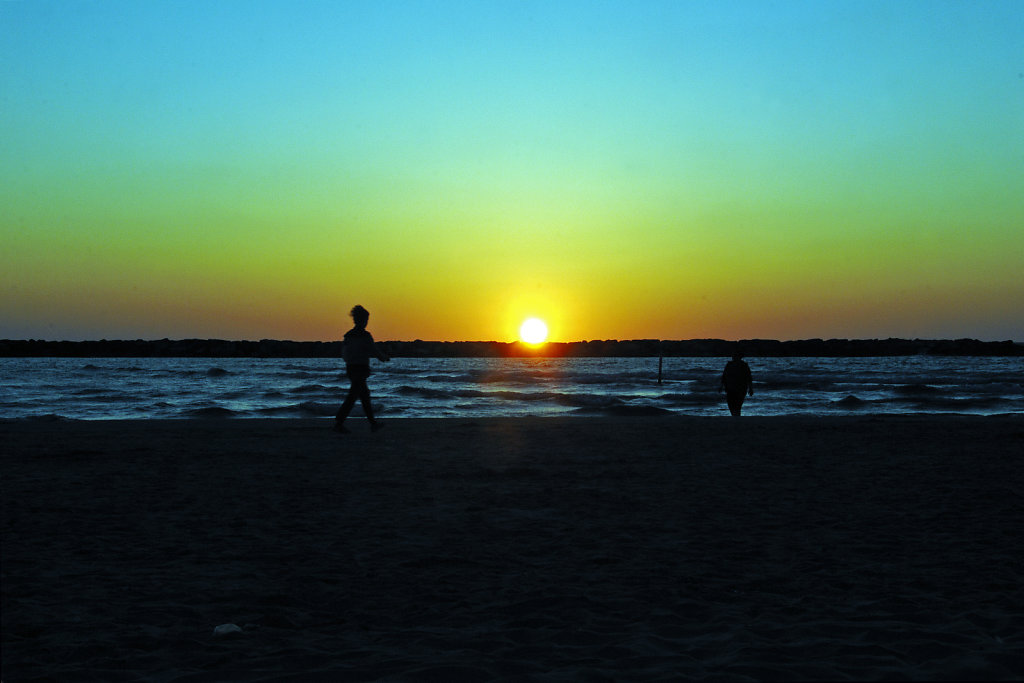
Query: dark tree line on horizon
(272, 348)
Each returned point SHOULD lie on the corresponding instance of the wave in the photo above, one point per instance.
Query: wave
(508, 396)
(321, 409)
(587, 400)
(635, 411)
(303, 374)
(107, 397)
(211, 411)
(442, 379)
(426, 392)
(695, 398)
(915, 389)
(966, 402)
(233, 395)
(543, 377)
(398, 370)
(790, 384)
(310, 389)
(303, 409)
(999, 387)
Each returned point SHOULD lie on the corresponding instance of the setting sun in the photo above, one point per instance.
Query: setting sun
(533, 331)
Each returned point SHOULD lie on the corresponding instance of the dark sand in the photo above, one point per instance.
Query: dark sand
(514, 549)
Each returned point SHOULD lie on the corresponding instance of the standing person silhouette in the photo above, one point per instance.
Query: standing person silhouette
(736, 381)
(357, 348)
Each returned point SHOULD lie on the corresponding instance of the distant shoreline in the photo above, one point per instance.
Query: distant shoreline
(272, 348)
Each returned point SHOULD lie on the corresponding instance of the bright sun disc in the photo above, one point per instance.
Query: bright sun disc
(533, 331)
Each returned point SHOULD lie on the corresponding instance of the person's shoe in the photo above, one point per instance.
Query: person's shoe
(340, 428)
(376, 426)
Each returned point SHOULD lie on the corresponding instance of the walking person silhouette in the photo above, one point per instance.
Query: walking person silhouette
(736, 381)
(357, 349)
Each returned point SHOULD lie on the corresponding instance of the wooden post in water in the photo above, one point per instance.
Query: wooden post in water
(661, 357)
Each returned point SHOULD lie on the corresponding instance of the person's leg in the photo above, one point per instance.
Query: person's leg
(364, 399)
(357, 383)
(346, 406)
(361, 390)
(735, 401)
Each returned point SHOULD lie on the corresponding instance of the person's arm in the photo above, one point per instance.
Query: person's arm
(378, 351)
(750, 382)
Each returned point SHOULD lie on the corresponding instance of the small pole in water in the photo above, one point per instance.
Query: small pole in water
(661, 357)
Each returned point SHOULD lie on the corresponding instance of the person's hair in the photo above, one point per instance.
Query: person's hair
(360, 315)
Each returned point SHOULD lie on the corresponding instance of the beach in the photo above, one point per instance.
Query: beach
(548, 549)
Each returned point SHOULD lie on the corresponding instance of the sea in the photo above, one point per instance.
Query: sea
(188, 388)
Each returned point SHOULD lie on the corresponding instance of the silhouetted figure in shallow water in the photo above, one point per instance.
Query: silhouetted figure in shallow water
(736, 383)
(357, 349)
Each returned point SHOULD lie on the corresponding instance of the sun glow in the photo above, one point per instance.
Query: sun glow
(533, 331)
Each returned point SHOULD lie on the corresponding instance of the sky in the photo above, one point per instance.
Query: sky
(621, 170)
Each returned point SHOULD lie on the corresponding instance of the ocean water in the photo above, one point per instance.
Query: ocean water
(119, 388)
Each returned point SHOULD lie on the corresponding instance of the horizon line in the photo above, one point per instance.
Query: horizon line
(514, 342)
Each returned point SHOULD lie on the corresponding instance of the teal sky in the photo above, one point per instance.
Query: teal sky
(620, 169)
